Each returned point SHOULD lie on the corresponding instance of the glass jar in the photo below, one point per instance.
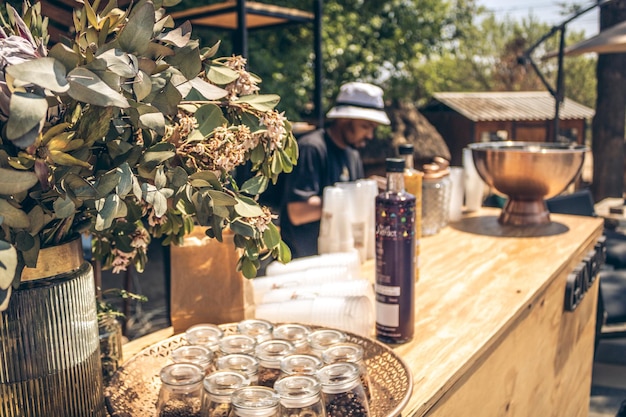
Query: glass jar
(207, 335)
(436, 188)
(240, 362)
(181, 390)
(218, 388)
(300, 364)
(321, 339)
(296, 334)
(236, 343)
(110, 335)
(255, 401)
(269, 355)
(342, 392)
(300, 395)
(261, 330)
(353, 353)
(198, 355)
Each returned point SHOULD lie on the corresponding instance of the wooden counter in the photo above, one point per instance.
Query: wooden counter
(492, 337)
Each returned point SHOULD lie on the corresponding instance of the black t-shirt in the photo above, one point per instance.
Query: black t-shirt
(321, 163)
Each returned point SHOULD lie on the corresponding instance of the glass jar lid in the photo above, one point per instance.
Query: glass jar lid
(298, 390)
(261, 330)
(343, 352)
(255, 401)
(338, 377)
(271, 352)
(321, 339)
(241, 362)
(199, 355)
(225, 382)
(300, 364)
(207, 335)
(295, 333)
(237, 343)
(181, 374)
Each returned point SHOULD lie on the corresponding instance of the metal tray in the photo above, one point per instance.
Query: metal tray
(134, 388)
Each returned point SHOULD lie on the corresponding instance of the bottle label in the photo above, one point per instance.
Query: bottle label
(395, 268)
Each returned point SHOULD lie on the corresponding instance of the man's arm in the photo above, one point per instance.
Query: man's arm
(301, 212)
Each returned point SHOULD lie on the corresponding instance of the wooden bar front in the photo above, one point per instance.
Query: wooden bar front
(492, 337)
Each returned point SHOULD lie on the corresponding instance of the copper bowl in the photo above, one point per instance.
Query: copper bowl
(527, 173)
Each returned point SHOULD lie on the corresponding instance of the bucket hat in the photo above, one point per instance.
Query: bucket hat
(358, 100)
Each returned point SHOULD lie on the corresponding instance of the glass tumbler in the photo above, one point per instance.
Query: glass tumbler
(218, 388)
(207, 335)
(269, 354)
(181, 390)
(198, 355)
(342, 391)
(321, 339)
(300, 395)
(255, 401)
(240, 362)
(300, 364)
(436, 189)
(295, 333)
(261, 330)
(353, 353)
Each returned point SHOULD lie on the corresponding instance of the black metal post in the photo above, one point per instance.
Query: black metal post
(241, 44)
(317, 40)
(559, 96)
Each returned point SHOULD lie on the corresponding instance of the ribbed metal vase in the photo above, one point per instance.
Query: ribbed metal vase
(49, 349)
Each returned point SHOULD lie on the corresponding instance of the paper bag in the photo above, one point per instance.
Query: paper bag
(205, 285)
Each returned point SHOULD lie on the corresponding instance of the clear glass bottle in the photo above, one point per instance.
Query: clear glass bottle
(300, 364)
(413, 180)
(320, 340)
(353, 353)
(207, 335)
(218, 388)
(300, 395)
(198, 355)
(247, 364)
(181, 390)
(297, 334)
(110, 335)
(261, 330)
(395, 258)
(255, 401)
(237, 343)
(436, 188)
(269, 355)
(342, 392)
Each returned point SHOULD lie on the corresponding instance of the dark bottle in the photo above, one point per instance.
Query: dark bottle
(395, 258)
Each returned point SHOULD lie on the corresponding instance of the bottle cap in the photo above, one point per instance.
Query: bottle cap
(394, 164)
(405, 149)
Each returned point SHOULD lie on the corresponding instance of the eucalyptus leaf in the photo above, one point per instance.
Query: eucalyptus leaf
(187, 60)
(208, 90)
(255, 185)
(159, 203)
(125, 184)
(108, 210)
(45, 72)
(152, 120)
(261, 102)
(8, 264)
(63, 158)
(85, 86)
(137, 33)
(142, 85)
(13, 217)
(64, 55)
(78, 186)
(178, 37)
(271, 236)
(219, 198)
(63, 207)
(27, 111)
(119, 62)
(221, 75)
(242, 228)
(209, 117)
(246, 207)
(208, 176)
(14, 181)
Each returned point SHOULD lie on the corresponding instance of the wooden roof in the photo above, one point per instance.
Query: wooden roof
(224, 15)
(508, 105)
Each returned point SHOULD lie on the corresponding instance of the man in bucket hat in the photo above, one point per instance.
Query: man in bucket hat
(328, 156)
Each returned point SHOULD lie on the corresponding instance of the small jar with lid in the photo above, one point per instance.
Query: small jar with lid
(246, 364)
(320, 340)
(198, 355)
(350, 352)
(236, 343)
(261, 330)
(300, 395)
(218, 388)
(181, 390)
(436, 188)
(255, 401)
(110, 335)
(342, 391)
(207, 335)
(300, 364)
(269, 354)
(297, 334)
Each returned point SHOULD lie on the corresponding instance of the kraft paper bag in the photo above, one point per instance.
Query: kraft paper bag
(205, 285)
